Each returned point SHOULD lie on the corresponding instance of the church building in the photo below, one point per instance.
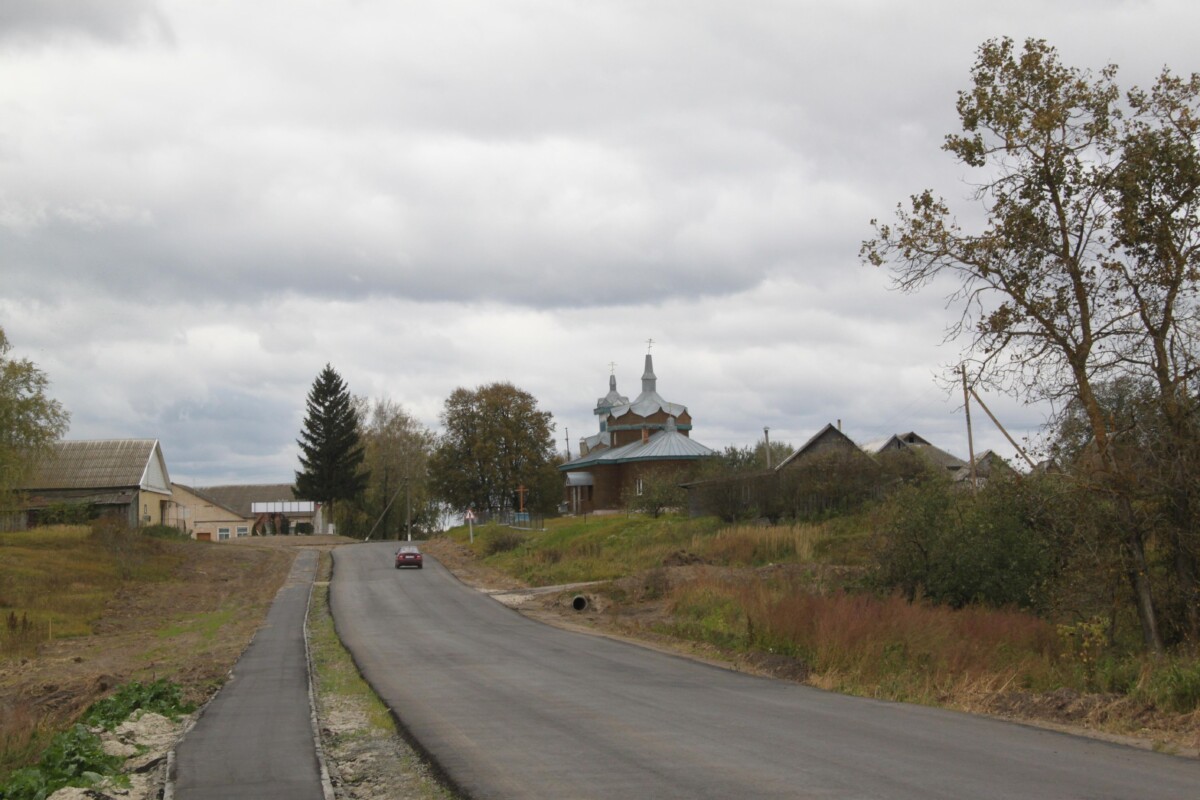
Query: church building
(636, 440)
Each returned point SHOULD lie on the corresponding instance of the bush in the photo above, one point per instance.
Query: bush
(168, 532)
(67, 513)
(660, 491)
(501, 540)
(957, 547)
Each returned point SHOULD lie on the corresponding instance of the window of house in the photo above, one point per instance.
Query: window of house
(222, 534)
(639, 487)
(243, 530)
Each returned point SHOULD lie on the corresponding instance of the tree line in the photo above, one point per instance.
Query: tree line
(379, 472)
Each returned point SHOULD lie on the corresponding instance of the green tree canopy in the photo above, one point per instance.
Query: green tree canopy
(495, 440)
(30, 421)
(398, 448)
(331, 450)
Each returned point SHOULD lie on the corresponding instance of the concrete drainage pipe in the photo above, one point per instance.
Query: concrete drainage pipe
(579, 603)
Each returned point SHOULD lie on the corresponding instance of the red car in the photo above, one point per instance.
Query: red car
(408, 556)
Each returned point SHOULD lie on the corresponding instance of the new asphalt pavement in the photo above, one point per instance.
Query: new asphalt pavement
(511, 708)
(255, 739)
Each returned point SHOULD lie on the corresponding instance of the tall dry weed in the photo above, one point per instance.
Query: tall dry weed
(749, 545)
(861, 642)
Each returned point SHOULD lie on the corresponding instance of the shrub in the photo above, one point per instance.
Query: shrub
(958, 547)
(168, 532)
(502, 540)
(660, 491)
(67, 513)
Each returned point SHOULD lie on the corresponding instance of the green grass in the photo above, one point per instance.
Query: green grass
(204, 625)
(606, 547)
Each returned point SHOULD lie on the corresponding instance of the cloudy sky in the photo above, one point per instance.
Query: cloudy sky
(204, 202)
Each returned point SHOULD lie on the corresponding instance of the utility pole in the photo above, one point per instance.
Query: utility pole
(970, 440)
(567, 432)
(1007, 435)
(767, 441)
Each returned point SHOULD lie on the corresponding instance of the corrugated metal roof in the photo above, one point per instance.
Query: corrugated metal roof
(200, 494)
(240, 497)
(100, 464)
(648, 403)
(664, 445)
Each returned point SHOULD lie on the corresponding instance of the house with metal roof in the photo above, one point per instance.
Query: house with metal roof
(273, 507)
(223, 513)
(123, 478)
(203, 517)
(637, 439)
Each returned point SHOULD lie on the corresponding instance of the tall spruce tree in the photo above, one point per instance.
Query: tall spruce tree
(331, 450)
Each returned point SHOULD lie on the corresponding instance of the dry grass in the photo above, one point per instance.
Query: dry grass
(113, 606)
(747, 545)
(54, 583)
(864, 644)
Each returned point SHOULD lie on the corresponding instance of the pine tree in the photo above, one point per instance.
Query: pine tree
(331, 452)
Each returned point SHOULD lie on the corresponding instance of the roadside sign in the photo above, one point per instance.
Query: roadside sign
(470, 516)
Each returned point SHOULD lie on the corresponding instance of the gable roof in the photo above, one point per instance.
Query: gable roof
(914, 443)
(200, 494)
(240, 497)
(102, 464)
(827, 437)
(897, 441)
(986, 463)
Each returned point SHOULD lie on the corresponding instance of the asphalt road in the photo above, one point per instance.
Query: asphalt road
(255, 739)
(511, 708)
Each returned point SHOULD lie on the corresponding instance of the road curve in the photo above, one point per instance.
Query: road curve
(511, 708)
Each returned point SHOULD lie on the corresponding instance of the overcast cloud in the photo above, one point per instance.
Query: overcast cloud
(202, 203)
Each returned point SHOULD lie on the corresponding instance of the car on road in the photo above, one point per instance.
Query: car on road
(408, 555)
